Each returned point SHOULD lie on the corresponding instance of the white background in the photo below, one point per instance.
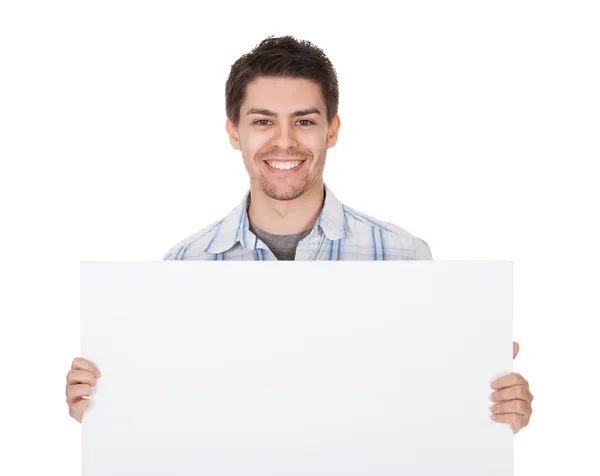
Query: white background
(473, 125)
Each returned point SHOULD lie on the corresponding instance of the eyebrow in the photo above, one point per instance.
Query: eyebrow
(267, 112)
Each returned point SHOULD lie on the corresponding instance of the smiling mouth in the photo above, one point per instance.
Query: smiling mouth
(285, 165)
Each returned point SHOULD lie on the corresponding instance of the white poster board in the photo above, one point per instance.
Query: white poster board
(326, 368)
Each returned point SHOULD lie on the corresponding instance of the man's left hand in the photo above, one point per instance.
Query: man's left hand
(513, 399)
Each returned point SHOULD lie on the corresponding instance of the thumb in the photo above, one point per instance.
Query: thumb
(515, 349)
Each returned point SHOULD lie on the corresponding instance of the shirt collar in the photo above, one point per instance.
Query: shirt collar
(234, 227)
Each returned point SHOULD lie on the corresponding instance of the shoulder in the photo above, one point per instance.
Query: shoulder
(396, 240)
(193, 246)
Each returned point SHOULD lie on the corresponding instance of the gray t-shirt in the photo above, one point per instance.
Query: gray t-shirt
(282, 246)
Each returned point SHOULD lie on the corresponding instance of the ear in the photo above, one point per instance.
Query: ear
(234, 137)
(332, 133)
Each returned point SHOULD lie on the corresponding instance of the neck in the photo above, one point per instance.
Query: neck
(285, 217)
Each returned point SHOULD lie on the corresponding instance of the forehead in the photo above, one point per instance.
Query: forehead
(284, 94)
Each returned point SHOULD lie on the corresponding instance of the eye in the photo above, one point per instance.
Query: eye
(261, 122)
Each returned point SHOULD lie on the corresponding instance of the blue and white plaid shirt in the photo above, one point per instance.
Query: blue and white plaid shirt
(341, 233)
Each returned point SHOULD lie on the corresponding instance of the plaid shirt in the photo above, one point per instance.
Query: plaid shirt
(341, 233)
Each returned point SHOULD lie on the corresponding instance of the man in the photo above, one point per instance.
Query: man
(281, 105)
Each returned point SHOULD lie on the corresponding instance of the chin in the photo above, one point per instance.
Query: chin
(283, 194)
(286, 196)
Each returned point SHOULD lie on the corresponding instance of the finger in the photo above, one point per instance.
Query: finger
(516, 421)
(520, 392)
(520, 423)
(80, 376)
(74, 392)
(515, 349)
(509, 380)
(76, 410)
(506, 417)
(79, 363)
(519, 407)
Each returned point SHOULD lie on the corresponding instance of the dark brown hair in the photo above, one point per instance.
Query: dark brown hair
(281, 57)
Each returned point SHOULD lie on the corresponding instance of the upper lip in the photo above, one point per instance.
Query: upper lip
(284, 160)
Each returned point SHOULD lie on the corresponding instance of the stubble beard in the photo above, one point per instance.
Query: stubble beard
(307, 182)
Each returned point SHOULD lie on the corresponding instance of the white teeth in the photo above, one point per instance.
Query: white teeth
(283, 165)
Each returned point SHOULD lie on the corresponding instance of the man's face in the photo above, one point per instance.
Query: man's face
(284, 136)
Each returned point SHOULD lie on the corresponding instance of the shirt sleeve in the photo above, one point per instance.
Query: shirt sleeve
(171, 254)
(422, 252)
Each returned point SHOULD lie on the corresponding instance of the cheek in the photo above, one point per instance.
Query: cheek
(256, 145)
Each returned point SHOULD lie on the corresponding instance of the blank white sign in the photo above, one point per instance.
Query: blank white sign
(370, 368)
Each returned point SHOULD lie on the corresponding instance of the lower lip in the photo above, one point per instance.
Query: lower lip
(286, 171)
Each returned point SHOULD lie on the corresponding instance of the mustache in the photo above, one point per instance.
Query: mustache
(285, 155)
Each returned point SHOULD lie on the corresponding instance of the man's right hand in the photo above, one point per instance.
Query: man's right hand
(80, 380)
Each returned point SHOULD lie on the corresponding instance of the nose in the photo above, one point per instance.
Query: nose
(284, 137)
